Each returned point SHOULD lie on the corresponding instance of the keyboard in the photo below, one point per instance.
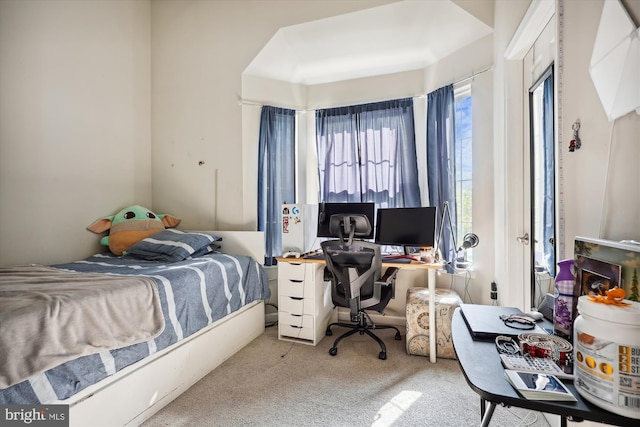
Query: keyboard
(533, 364)
(395, 260)
(391, 259)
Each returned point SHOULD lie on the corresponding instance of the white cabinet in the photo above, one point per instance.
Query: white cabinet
(304, 301)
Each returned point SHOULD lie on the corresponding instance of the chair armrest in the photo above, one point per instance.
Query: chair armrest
(389, 275)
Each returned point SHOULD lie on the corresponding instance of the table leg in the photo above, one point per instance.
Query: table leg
(431, 282)
(486, 419)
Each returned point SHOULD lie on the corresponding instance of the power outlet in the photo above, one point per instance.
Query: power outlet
(494, 291)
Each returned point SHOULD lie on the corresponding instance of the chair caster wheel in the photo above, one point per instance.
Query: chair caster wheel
(398, 336)
(333, 351)
(382, 355)
(328, 332)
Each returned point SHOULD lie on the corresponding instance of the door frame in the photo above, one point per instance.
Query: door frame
(516, 269)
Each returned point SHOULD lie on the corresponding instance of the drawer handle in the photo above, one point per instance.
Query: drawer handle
(297, 327)
(296, 281)
(297, 298)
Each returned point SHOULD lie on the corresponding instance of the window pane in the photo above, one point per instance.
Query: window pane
(464, 169)
(463, 118)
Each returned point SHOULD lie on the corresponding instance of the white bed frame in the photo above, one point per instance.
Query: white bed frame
(135, 393)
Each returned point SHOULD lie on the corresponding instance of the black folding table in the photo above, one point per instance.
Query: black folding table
(481, 366)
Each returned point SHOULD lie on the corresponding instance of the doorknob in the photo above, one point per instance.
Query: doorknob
(523, 239)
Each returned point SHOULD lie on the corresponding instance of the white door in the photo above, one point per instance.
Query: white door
(539, 167)
(530, 54)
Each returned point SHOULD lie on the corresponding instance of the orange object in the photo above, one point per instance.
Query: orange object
(586, 338)
(614, 296)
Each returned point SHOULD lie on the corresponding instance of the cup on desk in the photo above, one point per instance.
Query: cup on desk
(426, 255)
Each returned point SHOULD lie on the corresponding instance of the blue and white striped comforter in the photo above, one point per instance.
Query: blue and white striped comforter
(194, 293)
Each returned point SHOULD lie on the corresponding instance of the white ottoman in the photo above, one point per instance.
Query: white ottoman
(418, 321)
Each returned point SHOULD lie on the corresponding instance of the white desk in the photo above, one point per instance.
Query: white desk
(431, 284)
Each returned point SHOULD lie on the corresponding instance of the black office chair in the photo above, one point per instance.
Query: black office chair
(354, 268)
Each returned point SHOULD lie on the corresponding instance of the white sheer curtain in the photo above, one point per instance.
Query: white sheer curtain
(367, 153)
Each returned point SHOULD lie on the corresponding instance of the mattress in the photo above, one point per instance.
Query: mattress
(193, 294)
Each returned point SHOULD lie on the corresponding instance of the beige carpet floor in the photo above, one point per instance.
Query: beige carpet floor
(279, 383)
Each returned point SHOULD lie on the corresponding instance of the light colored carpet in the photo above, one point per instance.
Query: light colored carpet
(278, 383)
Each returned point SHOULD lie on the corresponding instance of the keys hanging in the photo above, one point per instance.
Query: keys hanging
(575, 142)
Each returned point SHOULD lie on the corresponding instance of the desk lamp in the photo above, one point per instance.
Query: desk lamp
(445, 212)
(469, 241)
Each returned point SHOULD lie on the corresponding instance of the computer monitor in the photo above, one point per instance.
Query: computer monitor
(325, 210)
(407, 227)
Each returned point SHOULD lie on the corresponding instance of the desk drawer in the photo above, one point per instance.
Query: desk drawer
(296, 305)
(295, 288)
(295, 326)
(298, 321)
(295, 332)
(291, 271)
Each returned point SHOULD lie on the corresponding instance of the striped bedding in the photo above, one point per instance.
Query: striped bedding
(194, 293)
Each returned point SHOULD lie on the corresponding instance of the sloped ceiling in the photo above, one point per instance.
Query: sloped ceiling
(402, 36)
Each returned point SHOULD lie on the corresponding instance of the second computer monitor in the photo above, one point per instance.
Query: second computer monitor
(407, 227)
(325, 210)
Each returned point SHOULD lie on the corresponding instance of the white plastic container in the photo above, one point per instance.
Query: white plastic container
(606, 354)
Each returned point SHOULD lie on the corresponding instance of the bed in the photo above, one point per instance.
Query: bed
(210, 306)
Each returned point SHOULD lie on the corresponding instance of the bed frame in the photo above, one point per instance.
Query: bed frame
(134, 394)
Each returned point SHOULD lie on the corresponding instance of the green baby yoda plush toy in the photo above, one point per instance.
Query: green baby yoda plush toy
(129, 226)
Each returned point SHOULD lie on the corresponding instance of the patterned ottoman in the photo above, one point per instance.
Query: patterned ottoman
(418, 321)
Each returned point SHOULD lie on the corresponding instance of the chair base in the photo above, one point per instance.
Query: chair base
(362, 327)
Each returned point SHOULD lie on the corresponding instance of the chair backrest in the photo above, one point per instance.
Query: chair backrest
(348, 226)
(355, 271)
(355, 265)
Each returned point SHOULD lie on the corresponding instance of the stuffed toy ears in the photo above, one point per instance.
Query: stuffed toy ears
(129, 226)
(169, 221)
(101, 225)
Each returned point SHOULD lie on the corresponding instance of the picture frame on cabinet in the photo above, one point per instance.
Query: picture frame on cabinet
(623, 254)
(595, 277)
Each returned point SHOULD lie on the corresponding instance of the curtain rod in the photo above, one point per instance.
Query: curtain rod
(464, 79)
(473, 75)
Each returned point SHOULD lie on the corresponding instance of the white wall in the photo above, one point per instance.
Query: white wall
(199, 51)
(507, 105)
(601, 179)
(75, 140)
